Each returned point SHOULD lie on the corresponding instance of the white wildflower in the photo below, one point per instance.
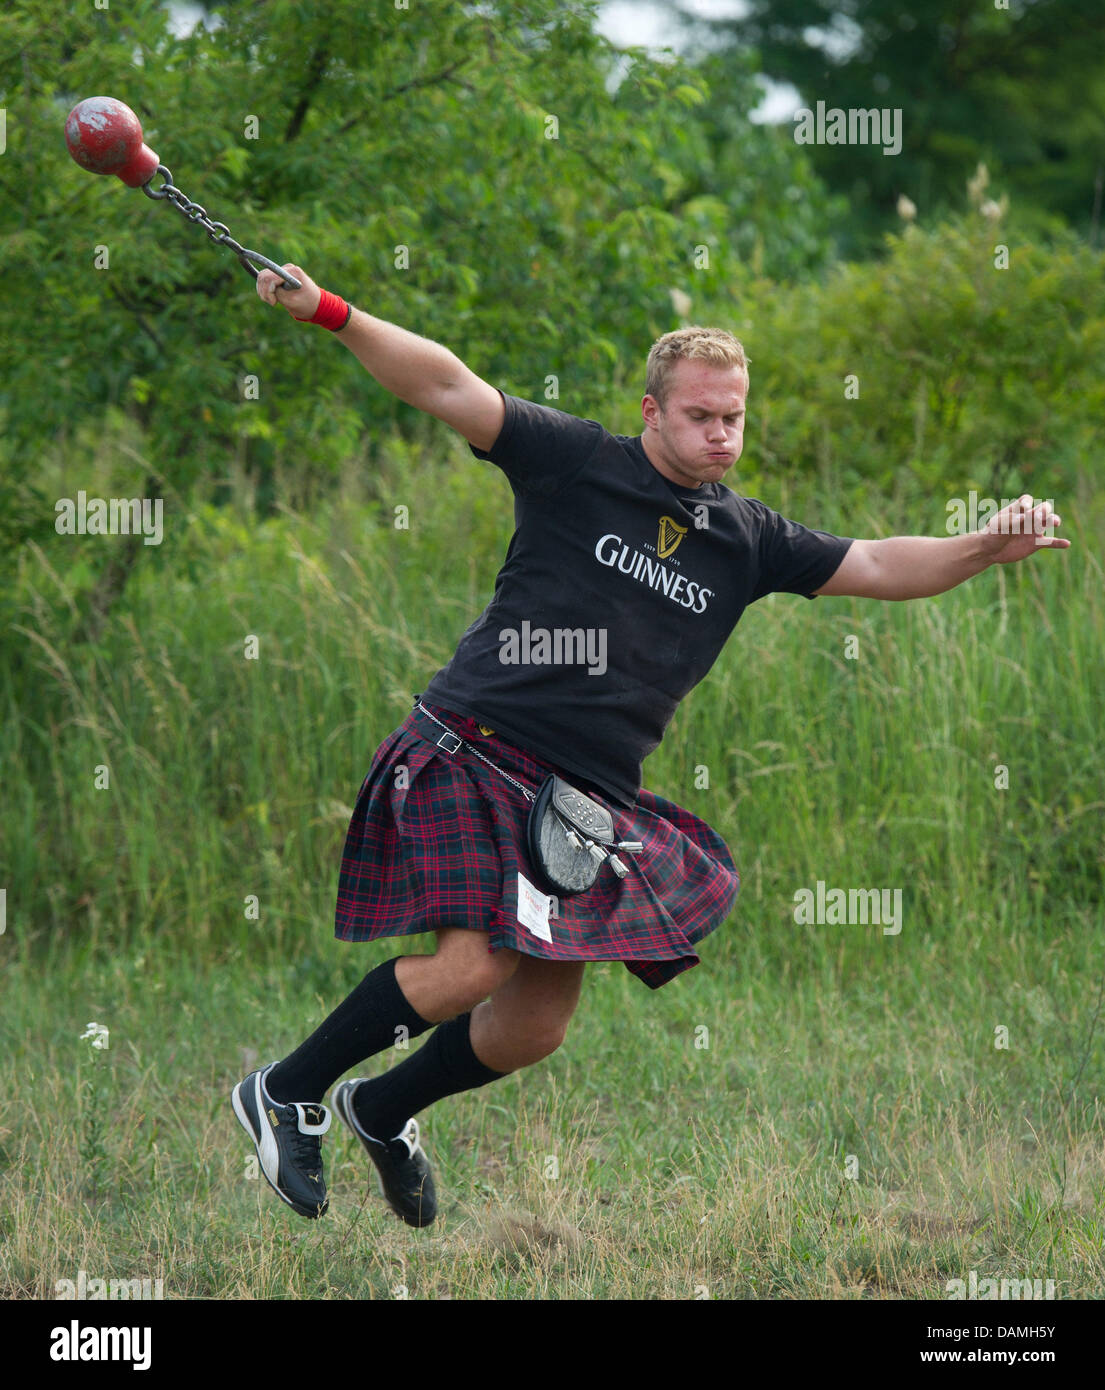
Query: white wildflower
(97, 1035)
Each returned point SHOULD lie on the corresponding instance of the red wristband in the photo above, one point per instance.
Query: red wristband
(332, 312)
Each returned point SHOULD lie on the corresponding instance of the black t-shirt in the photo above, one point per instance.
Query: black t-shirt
(618, 591)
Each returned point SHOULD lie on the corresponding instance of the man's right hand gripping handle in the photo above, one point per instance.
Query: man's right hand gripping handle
(309, 303)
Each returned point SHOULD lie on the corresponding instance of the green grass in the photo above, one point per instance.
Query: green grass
(681, 1170)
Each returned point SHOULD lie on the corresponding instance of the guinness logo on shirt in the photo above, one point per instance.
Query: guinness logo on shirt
(612, 551)
(671, 533)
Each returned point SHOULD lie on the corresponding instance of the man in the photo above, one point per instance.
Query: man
(629, 567)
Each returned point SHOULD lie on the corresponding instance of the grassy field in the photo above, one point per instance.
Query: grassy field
(817, 1111)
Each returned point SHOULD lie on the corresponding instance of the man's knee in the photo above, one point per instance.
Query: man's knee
(525, 1046)
(530, 1017)
(468, 970)
(456, 977)
(545, 1038)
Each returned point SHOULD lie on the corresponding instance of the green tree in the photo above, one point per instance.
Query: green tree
(495, 176)
(1020, 87)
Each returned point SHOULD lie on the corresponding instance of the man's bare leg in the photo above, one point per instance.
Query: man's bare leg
(460, 973)
(527, 1017)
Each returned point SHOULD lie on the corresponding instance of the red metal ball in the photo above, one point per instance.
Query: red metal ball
(105, 137)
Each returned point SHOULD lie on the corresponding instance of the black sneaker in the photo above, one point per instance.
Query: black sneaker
(288, 1139)
(401, 1162)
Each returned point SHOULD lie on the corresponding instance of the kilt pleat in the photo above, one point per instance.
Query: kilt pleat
(438, 840)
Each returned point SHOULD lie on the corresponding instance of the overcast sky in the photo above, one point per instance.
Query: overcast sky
(652, 24)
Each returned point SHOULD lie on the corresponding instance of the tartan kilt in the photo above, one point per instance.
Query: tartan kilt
(438, 840)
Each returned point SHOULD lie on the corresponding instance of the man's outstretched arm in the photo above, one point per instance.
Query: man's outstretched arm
(418, 371)
(902, 567)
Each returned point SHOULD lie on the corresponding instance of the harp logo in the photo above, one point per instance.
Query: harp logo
(671, 533)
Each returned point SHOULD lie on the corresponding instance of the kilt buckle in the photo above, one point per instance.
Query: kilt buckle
(453, 747)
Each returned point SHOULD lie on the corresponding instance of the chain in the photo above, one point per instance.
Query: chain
(218, 232)
(524, 790)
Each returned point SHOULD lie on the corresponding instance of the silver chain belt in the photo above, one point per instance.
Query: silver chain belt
(462, 743)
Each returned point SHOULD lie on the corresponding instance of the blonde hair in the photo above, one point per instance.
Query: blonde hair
(713, 345)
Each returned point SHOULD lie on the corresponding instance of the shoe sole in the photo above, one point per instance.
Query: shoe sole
(258, 1141)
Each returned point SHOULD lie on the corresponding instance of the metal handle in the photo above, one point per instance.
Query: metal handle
(247, 256)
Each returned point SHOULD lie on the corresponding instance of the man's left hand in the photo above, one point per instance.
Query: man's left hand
(1019, 530)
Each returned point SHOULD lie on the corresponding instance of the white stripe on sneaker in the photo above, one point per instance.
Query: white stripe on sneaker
(267, 1149)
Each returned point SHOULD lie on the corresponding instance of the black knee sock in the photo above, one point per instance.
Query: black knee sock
(443, 1066)
(359, 1027)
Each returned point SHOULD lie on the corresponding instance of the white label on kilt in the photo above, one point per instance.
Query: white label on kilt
(533, 909)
